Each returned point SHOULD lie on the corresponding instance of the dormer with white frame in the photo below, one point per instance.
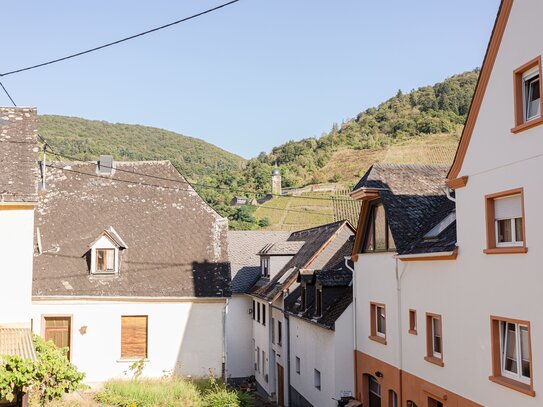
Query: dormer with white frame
(105, 253)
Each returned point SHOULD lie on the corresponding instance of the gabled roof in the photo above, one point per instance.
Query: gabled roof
(19, 172)
(176, 244)
(415, 201)
(335, 278)
(484, 77)
(281, 248)
(112, 235)
(320, 245)
(243, 248)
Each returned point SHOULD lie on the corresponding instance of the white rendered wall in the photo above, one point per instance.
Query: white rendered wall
(261, 336)
(183, 337)
(16, 254)
(330, 352)
(239, 325)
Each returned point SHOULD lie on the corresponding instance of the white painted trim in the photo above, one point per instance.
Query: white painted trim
(48, 299)
(436, 254)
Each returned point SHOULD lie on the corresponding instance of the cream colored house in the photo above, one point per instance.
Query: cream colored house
(448, 300)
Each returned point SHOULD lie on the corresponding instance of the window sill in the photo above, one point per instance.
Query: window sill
(132, 360)
(434, 360)
(507, 250)
(379, 339)
(527, 125)
(413, 332)
(513, 384)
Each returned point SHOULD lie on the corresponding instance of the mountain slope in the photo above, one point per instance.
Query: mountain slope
(87, 139)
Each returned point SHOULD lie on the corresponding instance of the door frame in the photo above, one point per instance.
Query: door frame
(280, 385)
(70, 330)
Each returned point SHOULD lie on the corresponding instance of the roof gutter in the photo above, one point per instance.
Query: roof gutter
(451, 255)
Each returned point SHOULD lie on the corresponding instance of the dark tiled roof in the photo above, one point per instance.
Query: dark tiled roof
(336, 293)
(281, 249)
(176, 244)
(19, 172)
(318, 249)
(414, 200)
(243, 248)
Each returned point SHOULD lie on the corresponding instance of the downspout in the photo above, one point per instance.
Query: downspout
(355, 341)
(399, 277)
(224, 357)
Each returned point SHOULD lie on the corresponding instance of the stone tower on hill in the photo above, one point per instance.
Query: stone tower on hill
(276, 182)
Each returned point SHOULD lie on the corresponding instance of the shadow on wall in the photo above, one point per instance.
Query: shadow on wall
(202, 341)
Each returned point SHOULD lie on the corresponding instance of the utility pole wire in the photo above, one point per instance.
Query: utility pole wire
(54, 61)
(7, 93)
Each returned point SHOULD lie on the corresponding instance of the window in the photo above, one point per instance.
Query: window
(378, 236)
(279, 333)
(527, 84)
(434, 341)
(105, 261)
(412, 322)
(258, 358)
(318, 302)
(265, 262)
(304, 298)
(434, 403)
(378, 322)
(298, 364)
(263, 362)
(505, 222)
(134, 337)
(254, 310)
(273, 330)
(392, 399)
(511, 354)
(317, 379)
(264, 314)
(258, 311)
(374, 388)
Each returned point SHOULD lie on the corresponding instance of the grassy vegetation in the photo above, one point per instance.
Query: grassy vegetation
(171, 392)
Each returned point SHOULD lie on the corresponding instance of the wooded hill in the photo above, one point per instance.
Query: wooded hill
(87, 139)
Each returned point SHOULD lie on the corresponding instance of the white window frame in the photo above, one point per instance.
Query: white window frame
(265, 265)
(526, 79)
(106, 249)
(377, 313)
(514, 241)
(503, 352)
(434, 352)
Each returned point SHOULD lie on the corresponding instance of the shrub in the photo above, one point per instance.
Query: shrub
(49, 378)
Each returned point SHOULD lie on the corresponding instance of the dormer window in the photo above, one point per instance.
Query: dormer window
(378, 235)
(105, 252)
(105, 261)
(318, 302)
(304, 298)
(265, 265)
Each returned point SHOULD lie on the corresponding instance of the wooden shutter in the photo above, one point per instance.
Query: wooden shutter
(134, 337)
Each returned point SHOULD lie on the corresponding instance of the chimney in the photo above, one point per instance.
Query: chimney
(106, 165)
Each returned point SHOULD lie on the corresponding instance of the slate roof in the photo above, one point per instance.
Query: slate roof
(243, 249)
(17, 342)
(18, 154)
(415, 201)
(336, 292)
(318, 249)
(281, 249)
(176, 244)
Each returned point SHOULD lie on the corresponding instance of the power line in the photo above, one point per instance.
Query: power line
(206, 186)
(171, 188)
(7, 93)
(88, 51)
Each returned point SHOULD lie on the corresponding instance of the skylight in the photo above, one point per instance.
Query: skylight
(441, 226)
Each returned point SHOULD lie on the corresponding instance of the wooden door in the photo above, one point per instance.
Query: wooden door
(58, 330)
(280, 386)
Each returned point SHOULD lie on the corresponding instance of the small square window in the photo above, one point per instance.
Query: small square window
(505, 222)
(412, 322)
(317, 379)
(105, 261)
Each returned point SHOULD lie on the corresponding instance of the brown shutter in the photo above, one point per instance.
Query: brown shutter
(134, 337)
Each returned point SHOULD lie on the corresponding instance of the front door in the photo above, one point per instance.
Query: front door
(280, 386)
(375, 392)
(58, 330)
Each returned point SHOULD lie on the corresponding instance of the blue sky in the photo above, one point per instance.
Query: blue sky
(248, 77)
